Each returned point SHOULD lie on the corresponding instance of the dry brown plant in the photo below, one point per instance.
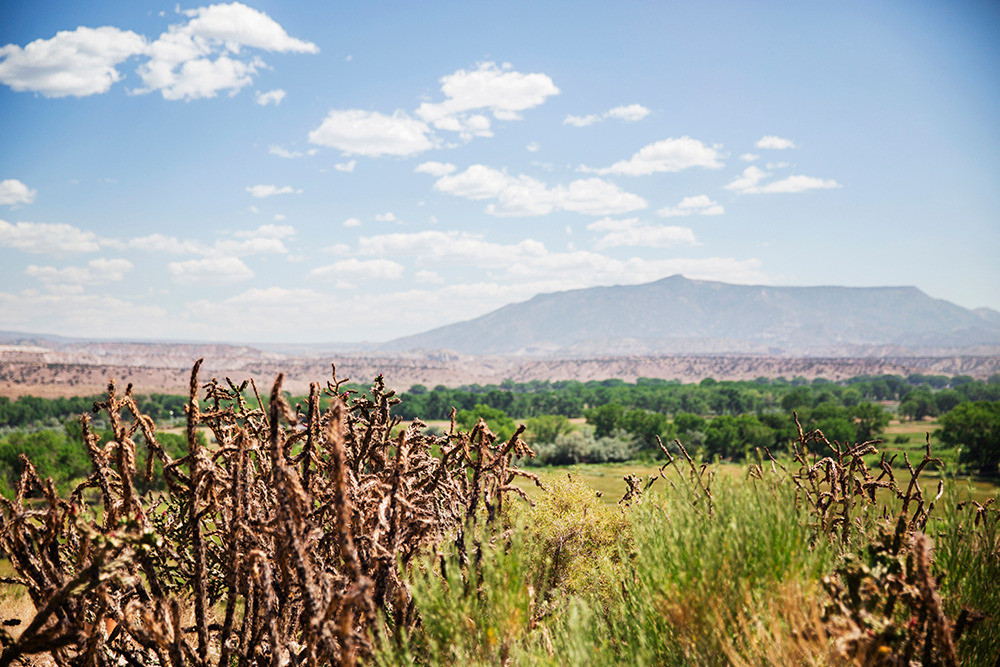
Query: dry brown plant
(288, 538)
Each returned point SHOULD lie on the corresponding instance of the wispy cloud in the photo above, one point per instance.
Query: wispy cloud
(630, 113)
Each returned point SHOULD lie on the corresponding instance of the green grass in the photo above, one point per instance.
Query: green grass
(606, 479)
(575, 581)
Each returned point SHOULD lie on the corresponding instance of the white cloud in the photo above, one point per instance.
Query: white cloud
(84, 315)
(581, 121)
(749, 157)
(748, 180)
(532, 147)
(214, 270)
(236, 25)
(267, 232)
(271, 97)
(776, 165)
(386, 217)
(41, 237)
(435, 168)
(13, 191)
(285, 153)
(669, 155)
(181, 64)
(476, 182)
(796, 184)
(357, 315)
(629, 113)
(190, 60)
(700, 204)
(749, 183)
(499, 90)
(338, 249)
(429, 277)
(525, 196)
(261, 191)
(370, 133)
(266, 239)
(774, 143)
(158, 243)
(251, 246)
(372, 269)
(346, 166)
(634, 232)
(97, 271)
(74, 63)
(352, 222)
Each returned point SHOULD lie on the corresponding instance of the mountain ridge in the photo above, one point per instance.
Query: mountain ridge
(672, 313)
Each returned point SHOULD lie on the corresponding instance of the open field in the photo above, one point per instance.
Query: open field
(607, 480)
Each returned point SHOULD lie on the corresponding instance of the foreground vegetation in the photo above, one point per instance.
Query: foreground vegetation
(308, 535)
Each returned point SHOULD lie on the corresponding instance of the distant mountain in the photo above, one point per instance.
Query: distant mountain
(678, 315)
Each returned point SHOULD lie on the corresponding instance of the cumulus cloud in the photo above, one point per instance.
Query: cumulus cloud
(750, 183)
(352, 222)
(74, 63)
(629, 113)
(489, 88)
(96, 272)
(471, 97)
(13, 191)
(204, 56)
(635, 232)
(214, 270)
(235, 25)
(370, 133)
(669, 155)
(700, 204)
(775, 143)
(346, 166)
(261, 191)
(749, 157)
(41, 237)
(271, 97)
(386, 217)
(190, 60)
(525, 196)
(371, 269)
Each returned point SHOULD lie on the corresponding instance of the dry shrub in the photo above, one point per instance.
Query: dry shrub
(286, 542)
(884, 605)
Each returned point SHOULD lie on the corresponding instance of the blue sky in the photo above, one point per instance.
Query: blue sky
(329, 171)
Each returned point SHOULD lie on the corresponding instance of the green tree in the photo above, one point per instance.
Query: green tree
(869, 419)
(546, 428)
(498, 421)
(606, 419)
(976, 428)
